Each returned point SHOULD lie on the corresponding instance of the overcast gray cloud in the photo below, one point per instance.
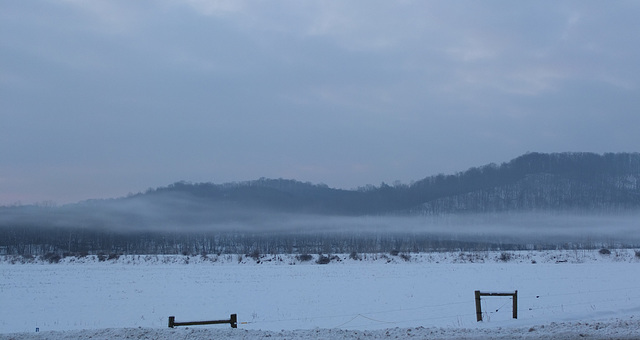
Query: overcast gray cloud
(100, 98)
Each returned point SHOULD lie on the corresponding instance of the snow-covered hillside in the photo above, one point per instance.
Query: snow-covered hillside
(561, 294)
(454, 257)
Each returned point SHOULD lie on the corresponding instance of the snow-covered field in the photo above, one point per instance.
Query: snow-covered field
(561, 294)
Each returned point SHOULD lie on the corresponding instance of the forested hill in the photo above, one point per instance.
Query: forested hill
(534, 181)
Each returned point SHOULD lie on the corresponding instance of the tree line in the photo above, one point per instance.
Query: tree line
(37, 241)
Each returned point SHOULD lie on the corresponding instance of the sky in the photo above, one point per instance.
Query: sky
(99, 99)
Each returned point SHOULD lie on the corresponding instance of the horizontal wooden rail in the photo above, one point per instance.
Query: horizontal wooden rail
(233, 321)
(497, 294)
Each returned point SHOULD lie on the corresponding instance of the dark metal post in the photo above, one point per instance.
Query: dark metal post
(172, 320)
(234, 321)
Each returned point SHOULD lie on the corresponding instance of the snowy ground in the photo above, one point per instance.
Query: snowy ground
(561, 294)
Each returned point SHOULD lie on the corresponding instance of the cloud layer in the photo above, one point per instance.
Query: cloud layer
(102, 98)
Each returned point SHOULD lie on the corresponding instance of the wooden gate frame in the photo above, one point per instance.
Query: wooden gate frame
(479, 307)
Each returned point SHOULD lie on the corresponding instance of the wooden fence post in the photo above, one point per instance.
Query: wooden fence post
(478, 307)
(172, 320)
(515, 305)
(234, 321)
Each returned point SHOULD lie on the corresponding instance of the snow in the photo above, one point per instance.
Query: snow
(619, 329)
(561, 294)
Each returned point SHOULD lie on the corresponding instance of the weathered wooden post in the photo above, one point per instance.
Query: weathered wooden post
(234, 321)
(172, 321)
(515, 304)
(478, 307)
